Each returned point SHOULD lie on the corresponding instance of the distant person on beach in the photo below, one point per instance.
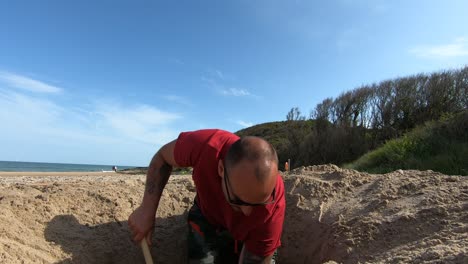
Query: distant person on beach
(114, 168)
(238, 212)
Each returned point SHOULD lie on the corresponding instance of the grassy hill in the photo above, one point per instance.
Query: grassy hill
(283, 135)
(311, 142)
(438, 145)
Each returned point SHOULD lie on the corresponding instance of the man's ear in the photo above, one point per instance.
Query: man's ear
(221, 168)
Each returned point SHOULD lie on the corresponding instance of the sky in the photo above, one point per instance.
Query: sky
(110, 82)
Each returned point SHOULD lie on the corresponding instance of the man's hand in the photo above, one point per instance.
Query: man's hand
(141, 223)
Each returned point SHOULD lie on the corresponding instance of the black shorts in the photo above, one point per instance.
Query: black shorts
(208, 244)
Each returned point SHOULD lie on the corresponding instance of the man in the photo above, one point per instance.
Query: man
(239, 209)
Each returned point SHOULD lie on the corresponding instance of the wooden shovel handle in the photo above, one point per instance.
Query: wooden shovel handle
(146, 251)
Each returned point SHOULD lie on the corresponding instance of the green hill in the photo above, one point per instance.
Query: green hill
(283, 135)
(311, 142)
(438, 145)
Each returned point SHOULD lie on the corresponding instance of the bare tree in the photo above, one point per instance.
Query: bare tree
(383, 103)
(343, 108)
(461, 84)
(360, 107)
(323, 110)
(295, 115)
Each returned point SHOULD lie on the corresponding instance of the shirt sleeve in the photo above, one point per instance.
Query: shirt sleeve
(263, 241)
(190, 145)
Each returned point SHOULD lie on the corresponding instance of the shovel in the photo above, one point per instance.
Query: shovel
(146, 251)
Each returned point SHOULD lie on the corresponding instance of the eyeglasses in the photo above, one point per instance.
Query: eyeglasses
(238, 201)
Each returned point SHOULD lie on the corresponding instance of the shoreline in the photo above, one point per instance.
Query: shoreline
(50, 178)
(73, 177)
(57, 173)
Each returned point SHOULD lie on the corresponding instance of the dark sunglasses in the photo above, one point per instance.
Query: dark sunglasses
(238, 201)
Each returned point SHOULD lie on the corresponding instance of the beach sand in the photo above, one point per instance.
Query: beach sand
(332, 214)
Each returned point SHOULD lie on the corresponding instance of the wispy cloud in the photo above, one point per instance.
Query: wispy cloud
(209, 81)
(234, 92)
(23, 110)
(217, 73)
(94, 123)
(141, 123)
(178, 99)
(224, 89)
(244, 124)
(458, 48)
(26, 83)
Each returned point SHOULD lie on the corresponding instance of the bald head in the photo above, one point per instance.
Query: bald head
(257, 152)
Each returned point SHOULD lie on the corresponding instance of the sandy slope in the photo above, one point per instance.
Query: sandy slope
(332, 215)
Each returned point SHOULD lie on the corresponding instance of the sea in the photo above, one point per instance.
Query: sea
(60, 167)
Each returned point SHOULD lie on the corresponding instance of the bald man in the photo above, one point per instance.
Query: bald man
(238, 212)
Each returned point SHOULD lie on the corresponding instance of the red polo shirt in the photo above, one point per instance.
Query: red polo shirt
(261, 230)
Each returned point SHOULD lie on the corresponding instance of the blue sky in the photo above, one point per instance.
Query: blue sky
(109, 82)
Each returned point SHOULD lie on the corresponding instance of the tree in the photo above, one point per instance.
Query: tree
(342, 108)
(461, 86)
(323, 110)
(406, 93)
(295, 115)
(360, 113)
(383, 102)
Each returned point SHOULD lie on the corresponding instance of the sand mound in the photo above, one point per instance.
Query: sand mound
(333, 214)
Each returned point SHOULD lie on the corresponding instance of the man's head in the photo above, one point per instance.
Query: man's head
(249, 173)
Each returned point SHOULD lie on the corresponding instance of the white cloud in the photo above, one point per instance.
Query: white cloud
(26, 83)
(235, 92)
(45, 128)
(42, 119)
(141, 123)
(19, 110)
(219, 74)
(209, 81)
(226, 91)
(458, 48)
(244, 124)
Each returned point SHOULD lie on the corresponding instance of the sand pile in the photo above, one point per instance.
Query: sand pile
(333, 215)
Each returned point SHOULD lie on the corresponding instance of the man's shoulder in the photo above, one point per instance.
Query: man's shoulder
(207, 134)
(211, 144)
(217, 139)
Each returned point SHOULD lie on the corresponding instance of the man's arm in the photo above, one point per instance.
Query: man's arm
(141, 221)
(247, 257)
(159, 170)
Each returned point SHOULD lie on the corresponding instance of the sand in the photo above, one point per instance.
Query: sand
(333, 215)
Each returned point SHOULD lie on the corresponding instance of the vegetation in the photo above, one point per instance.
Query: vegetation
(394, 106)
(440, 146)
(340, 130)
(280, 135)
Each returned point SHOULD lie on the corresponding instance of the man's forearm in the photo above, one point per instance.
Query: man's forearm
(156, 179)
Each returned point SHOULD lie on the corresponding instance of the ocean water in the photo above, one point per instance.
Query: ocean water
(61, 167)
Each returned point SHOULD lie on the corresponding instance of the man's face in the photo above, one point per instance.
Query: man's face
(242, 189)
